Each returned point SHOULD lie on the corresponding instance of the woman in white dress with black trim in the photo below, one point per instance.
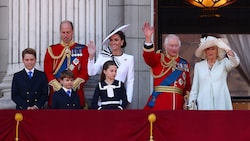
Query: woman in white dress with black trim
(124, 62)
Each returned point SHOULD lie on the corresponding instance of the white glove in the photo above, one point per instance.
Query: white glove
(193, 106)
(222, 45)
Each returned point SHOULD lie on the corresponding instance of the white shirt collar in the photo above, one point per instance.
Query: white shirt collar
(66, 89)
(32, 70)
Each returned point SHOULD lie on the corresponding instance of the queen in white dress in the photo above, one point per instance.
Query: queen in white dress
(209, 89)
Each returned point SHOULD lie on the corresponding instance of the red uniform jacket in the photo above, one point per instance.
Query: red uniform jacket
(60, 57)
(170, 96)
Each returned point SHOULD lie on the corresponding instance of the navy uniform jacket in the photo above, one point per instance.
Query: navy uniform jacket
(27, 92)
(61, 100)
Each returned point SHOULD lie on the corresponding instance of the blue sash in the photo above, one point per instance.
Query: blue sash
(166, 82)
(75, 52)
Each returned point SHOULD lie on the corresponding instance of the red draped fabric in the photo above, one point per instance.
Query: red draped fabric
(127, 125)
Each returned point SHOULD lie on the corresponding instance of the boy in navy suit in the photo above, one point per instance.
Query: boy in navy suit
(66, 97)
(29, 86)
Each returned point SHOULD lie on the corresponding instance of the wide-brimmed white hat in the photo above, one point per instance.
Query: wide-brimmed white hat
(122, 28)
(208, 42)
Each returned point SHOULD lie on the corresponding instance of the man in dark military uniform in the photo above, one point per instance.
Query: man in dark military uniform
(29, 86)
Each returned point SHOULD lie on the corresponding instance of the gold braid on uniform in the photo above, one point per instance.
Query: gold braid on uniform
(65, 53)
(77, 82)
(55, 84)
(166, 65)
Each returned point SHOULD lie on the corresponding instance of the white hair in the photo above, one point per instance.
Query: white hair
(169, 36)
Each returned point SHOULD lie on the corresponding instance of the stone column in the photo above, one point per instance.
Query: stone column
(142, 12)
(35, 24)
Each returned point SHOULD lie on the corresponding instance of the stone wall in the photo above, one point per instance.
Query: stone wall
(4, 16)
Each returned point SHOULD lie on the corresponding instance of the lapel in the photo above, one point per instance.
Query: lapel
(25, 76)
(34, 74)
(30, 82)
(62, 91)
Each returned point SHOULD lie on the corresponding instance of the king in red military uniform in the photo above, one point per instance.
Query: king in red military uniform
(170, 72)
(66, 55)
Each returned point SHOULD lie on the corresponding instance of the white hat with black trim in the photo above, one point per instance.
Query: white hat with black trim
(122, 28)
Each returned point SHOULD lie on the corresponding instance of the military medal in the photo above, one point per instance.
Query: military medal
(76, 61)
(71, 67)
(180, 81)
